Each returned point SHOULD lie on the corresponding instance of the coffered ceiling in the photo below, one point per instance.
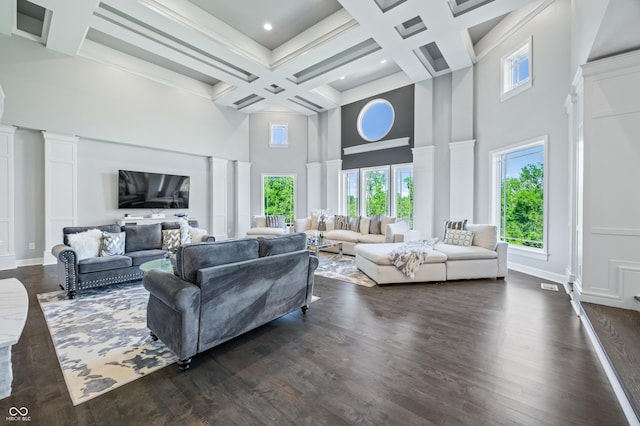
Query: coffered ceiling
(319, 53)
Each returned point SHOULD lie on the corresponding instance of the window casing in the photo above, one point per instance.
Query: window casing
(278, 135)
(516, 70)
(520, 197)
(279, 195)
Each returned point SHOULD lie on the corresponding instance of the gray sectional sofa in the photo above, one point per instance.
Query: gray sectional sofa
(227, 288)
(142, 244)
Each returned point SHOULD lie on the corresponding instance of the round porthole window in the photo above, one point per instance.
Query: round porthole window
(375, 120)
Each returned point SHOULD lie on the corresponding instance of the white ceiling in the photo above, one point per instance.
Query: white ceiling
(319, 55)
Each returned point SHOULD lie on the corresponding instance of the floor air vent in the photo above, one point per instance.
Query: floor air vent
(547, 286)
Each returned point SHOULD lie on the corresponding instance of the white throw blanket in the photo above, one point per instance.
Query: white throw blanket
(409, 256)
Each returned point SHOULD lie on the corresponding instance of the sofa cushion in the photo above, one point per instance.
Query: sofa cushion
(395, 228)
(384, 221)
(97, 264)
(141, 256)
(341, 221)
(112, 243)
(465, 253)
(270, 246)
(485, 236)
(343, 235)
(274, 221)
(379, 253)
(86, 244)
(265, 231)
(364, 225)
(371, 238)
(301, 225)
(258, 221)
(454, 224)
(143, 237)
(192, 257)
(374, 225)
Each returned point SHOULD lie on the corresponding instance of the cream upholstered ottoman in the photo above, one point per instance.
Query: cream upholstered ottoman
(373, 260)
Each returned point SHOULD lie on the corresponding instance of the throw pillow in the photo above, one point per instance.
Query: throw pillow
(374, 225)
(170, 239)
(302, 225)
(354, 224)
(341, 221)
(485, 236)
(112, 243)
(458, 237)
(364, 225)
(86, 244)
(184, 231)
(275, 221)
(197, 234)
(259, 221)
(454, 224)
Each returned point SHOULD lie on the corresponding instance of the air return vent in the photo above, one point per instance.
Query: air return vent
(411, 27)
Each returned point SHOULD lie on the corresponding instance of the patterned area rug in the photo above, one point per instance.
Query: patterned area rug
(101, 338)
(342, 268)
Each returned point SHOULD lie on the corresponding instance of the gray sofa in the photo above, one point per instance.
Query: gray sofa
(225, 289)
(142, 244)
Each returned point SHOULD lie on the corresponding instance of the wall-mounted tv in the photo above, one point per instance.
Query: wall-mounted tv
(141, 190)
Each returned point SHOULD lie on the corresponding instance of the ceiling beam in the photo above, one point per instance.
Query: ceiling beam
(69, 25)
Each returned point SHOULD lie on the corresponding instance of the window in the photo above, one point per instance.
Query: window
(351, 191)
(375, 120)
(403, 192)
(375, 191)
(519, 191)
(516, 71)
(278, 195)
(279, 135)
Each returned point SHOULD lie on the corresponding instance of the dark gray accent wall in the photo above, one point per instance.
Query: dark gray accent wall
(403, 104)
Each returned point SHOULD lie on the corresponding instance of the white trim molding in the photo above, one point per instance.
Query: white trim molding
(7, 204)
(376, 146)
(424, 184)
(218, 199)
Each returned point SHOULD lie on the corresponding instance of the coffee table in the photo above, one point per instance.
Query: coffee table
(163, 265)
(323, 244)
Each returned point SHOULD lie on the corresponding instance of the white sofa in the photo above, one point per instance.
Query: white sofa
(485, 258)
(390, 231)
(259, 227)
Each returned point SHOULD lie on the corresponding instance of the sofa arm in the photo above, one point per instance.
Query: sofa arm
(174, 292)
(313, 265)
(67, 258)
(208, 239)
(501, 249)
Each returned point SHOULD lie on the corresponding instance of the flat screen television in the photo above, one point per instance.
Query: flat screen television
(142, 190)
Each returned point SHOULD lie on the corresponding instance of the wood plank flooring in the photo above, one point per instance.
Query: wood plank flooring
(468, 353)
(619, 333)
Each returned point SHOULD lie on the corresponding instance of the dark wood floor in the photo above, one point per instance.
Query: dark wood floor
(472, 352)
(619, 333)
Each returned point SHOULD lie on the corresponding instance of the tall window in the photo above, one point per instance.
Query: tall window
(351, 191)
(403, 192)
(520, 194)
(375, 181)
(516, 70)
(278, 195)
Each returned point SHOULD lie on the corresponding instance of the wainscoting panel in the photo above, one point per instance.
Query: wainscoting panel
(7, 200)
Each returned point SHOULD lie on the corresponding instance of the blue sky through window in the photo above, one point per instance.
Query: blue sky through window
(518, 159)
(377, 121)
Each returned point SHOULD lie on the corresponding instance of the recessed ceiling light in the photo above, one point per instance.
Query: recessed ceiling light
(384, 61)
(267, 26)
(342, 77)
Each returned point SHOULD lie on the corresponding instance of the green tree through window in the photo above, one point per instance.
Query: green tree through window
(522, 197)
(279, 196)
(376, 192)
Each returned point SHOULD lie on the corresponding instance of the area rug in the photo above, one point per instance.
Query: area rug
(101, 338)
(342, 268)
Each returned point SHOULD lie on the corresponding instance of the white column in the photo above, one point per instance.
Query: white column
(461, 180)
(243, 198)
(424, 190)
(314, 187)
(333, 167)
(218, 200)
(60, 188)
(7, 201)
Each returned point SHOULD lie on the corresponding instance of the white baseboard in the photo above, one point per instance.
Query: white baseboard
(29, 262)
(618, 390)
(549, 276)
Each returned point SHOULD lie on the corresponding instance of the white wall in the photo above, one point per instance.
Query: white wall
(586, 17)
(291, 160)
(536, 112)
(441, 138)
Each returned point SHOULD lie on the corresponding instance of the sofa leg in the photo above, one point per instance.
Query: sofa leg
(153, 336)
(71, 294)
(183, 364)
(304, 308)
